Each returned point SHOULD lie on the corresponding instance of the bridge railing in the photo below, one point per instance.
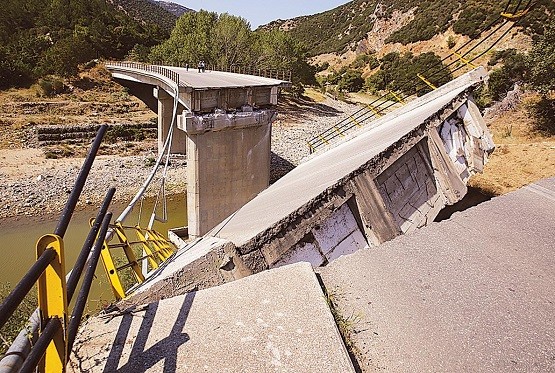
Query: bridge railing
(239, 69)
(57, 330)
(147, 245)
(161, 69)
(157, 69)
(250, 70)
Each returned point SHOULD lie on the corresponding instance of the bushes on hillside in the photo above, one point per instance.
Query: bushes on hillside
(45, 37)
(398, 72)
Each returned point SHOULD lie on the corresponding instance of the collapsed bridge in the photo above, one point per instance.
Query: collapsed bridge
(390, 179)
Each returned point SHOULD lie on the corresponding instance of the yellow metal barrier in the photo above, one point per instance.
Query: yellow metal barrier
(355, 121)
(338, 132)
(426, 81)
(312, 149)
(374, 110)
(515, 16)
(155, 247)
(464, 60)
(52, 299)
(323, 139)
(399, 99)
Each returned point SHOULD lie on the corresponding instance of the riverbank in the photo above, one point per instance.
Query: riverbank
(34, 185)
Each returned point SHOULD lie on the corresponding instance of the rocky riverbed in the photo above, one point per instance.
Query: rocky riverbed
(33, 185)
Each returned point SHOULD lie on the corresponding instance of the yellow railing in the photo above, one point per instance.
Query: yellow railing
(147, 245)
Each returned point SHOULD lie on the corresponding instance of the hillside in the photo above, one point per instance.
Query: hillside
(147, 11)
(347, 27)
(42, 37)
(173, 8)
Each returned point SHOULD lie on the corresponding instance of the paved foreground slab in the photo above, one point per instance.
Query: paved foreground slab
(276, 321)
(475, 293)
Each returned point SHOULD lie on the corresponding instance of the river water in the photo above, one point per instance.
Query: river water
(18, 238)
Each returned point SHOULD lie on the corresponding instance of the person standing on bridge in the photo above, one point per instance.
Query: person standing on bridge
(200, 66)
(203, 66)
(187, 66)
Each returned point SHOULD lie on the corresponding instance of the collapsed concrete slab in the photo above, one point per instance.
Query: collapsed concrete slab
(390, 179)
(274, 321)
(475, 293)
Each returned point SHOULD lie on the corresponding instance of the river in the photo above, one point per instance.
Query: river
(18, 238)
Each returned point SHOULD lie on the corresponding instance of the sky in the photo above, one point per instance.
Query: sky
(261, 12)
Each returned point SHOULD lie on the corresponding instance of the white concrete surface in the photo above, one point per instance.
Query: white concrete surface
(276, 321)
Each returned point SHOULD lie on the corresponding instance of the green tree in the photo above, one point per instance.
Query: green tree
(41, 37)
(225, 40)
(276, 49)
(542, 60)
(191, 40)
(399, 72)
(351, 81)
(542, 78)
(514, 70)
(232, 41)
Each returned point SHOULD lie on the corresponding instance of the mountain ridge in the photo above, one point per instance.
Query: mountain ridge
(346, 27)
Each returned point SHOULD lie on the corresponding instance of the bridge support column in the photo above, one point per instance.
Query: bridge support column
(228, 164)
(165, 116)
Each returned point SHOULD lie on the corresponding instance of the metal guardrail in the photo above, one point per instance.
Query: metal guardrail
(161, 69)
(157, 69)
(154, 248)
(277, 74)
(51, 351)
(249, 70)
(356, 119)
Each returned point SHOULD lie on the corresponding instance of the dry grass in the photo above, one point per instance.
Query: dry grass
(522, 156)
(91, 98)
(314, 95)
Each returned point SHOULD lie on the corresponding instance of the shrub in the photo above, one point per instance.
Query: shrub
(503, 79)
(543, 113)
(451, 42)
(51, 86)
(19, 319)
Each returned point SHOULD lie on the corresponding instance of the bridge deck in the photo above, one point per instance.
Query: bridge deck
(218, 79)
(311, 178)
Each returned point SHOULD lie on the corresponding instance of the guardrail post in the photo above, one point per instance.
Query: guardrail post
(52, 301)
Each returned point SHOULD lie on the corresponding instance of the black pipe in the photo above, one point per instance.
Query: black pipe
(75, 319)
(79, 184)
(87, 245)
(21, 290)
(38, 350)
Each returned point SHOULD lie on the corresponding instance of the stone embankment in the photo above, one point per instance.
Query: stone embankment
(33, 185)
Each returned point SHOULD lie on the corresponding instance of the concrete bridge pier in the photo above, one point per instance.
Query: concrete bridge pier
(228, 163)
(165, 116)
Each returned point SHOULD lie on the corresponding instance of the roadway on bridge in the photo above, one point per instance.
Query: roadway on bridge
(219, 79)
(475, 293)
(311, 178)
